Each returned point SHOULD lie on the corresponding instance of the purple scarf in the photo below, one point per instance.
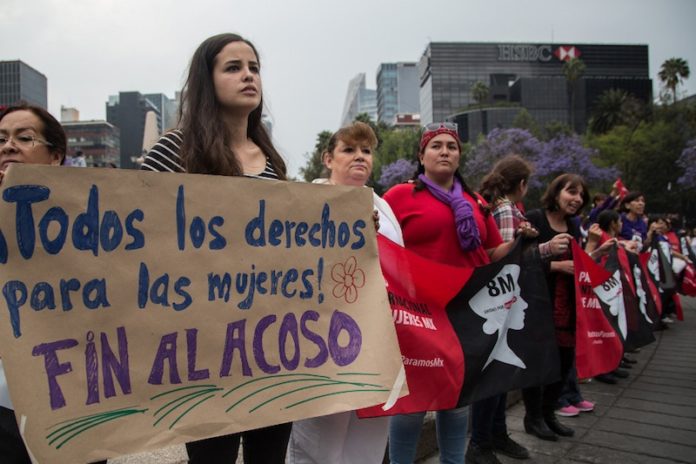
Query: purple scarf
(465, 223)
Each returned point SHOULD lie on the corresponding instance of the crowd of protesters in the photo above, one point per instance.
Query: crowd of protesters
(436, 214)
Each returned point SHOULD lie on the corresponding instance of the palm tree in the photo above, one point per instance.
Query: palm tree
(573, 69)
(608, 110)
(672, 72)
(480, 92)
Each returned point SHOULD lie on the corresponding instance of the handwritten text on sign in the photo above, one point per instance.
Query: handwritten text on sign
(146, 309)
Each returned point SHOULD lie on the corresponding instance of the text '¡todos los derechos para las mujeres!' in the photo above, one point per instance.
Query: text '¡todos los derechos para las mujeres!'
(98, 232)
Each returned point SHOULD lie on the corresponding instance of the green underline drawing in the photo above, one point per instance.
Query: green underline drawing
(334, 393)
(189, 410)
(190, 387)
(64, 431)
(307, 388)
(268, 387)
(324, 377)
(75, 427)
(329, 382)
(181, 401)
(360, 373)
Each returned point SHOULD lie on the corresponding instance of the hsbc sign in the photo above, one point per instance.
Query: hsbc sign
(543, 53)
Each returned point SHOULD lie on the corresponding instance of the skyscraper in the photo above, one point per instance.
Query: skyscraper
(138, 120)
(21, 82)
(168, 109)
(359, 99)
(397, 91)
(525, 74)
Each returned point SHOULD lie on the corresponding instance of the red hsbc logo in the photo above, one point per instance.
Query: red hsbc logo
(567, 52)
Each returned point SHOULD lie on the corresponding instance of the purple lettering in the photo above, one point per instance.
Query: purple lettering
(165, 352)
(258, 345)
(54, 368)
(344, 355)
(233, 342)
(191, 347)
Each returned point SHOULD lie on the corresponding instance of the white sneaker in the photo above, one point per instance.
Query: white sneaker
(668, 320)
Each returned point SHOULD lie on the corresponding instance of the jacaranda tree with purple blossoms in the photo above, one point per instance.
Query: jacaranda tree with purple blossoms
(566, 154)
(687, 161)
(397, 172)
(498, 144)
(559, 155)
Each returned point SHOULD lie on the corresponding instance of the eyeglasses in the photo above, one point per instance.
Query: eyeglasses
(441, 125)
(23, 141)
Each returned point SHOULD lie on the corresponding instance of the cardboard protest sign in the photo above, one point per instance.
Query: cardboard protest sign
(140, 310)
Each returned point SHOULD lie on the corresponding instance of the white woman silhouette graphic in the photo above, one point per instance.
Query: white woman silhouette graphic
(502, 306)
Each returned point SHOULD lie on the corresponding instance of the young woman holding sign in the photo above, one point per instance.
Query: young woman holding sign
(221, 133)
(28, 135)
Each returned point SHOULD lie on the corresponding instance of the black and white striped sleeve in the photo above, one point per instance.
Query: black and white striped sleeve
(164, 155)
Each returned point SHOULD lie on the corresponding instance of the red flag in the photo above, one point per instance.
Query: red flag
(598, 346)
(645, 263)
(639, 324)
(495, 319)
(419, 290)
(688, 285)
(621, 188)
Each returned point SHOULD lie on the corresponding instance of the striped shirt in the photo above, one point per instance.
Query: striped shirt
(164, 157)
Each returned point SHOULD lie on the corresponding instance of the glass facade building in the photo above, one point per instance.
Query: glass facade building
(21, 82)
(129, 112)
(359, 99)
(527, 75)
(397, 91)
(98, 141)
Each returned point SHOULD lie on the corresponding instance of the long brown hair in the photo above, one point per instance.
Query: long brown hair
(205, 148)
(505, 177)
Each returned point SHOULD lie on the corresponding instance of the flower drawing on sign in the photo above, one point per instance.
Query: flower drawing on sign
(349, 278)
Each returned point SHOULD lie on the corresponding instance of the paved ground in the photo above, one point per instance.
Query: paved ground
(648, 418)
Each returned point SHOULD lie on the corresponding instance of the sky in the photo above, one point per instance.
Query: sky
(309, 50)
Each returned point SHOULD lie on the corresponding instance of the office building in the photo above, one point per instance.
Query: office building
(21, 82)
(168, 109)
(97, 141)
(524, 75)
(138, 120)
(359, 99)
(397, 91)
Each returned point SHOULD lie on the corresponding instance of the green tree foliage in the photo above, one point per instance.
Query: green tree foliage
(647, 155)
(573, 70)
(672, 72)
(314, 168)
(524, 120)
(480, 92)
(395, 144)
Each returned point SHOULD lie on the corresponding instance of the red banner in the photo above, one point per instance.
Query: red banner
(598, 346)
(495, 319)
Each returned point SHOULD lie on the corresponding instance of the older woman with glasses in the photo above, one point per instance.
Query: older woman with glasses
(29, 135)
(343, 438)
(444, 220)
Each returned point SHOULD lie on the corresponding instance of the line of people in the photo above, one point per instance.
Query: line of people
(436, 215)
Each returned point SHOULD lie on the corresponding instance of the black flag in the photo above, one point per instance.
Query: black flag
(503, 319)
